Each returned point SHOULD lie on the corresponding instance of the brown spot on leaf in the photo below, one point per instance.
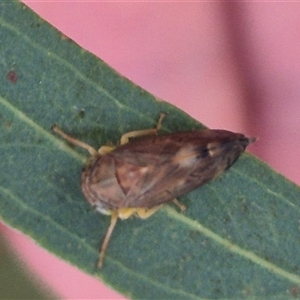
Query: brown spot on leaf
(295, 291)
(12, 77)
(64, 37)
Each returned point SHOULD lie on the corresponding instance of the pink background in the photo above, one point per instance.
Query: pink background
(230, 65)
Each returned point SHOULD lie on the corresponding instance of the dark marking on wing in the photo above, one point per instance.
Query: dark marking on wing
(152, 170)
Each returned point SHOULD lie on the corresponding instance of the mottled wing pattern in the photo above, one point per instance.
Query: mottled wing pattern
(157, 169)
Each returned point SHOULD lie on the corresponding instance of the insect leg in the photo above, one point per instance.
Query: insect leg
(113, 222)
(105, 149)
(126, 212)
(125, 137)
(74, 141)
(145, 213)
(180, 205)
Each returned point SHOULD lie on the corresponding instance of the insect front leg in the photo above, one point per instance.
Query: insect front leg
(125, 137)
(105, 149)
(74, 141)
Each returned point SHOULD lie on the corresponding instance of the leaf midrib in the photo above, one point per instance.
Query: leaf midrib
(171, 212)
(232, 247)
(60, 144)
(90, 249)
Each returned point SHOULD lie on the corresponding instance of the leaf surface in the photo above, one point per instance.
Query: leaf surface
(14, 282)
(239, 237)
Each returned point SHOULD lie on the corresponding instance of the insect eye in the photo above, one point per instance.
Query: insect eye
(203, 152)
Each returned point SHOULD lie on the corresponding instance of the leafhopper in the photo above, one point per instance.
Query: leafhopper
(148, 170)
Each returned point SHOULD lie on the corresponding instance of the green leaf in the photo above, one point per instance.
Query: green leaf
(16, 283)
(239, 237)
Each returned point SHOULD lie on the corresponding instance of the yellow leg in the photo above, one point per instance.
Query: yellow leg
(125, 137)
(180, 205)
(113, 222)
(125, 213)
(105, 149)
(74, 141)
(145, 213)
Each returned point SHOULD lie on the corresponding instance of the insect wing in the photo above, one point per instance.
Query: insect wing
(157, 169)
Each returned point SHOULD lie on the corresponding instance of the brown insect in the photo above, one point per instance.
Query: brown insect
(138, 177)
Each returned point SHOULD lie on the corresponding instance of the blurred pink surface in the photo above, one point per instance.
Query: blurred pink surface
(230, 65)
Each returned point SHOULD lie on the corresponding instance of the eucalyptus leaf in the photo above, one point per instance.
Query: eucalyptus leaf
(16, 283)
(238, 238)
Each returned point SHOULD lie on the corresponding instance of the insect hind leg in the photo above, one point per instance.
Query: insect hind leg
(180, 205)
(132, 134)
(145, 213)
(113, 222)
